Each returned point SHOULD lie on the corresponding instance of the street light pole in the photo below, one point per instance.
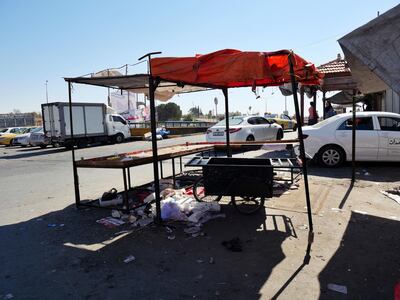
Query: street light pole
(285, 105)
(216, 103)
(47, 94)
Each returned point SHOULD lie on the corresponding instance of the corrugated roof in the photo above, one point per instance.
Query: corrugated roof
(338, 65)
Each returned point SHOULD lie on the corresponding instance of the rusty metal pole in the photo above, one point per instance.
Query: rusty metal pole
(302, 105)
(74, 169)
(353, 141)
(228, 144)
(302, 150)
(153, 84)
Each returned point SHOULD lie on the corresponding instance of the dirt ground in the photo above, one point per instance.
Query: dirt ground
(356, 245)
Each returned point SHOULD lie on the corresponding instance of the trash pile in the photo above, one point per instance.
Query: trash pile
(176, 205)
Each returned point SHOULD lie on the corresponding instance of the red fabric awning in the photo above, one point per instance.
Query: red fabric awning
(233, 68)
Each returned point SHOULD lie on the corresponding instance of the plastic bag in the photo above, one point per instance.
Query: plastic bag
(170, 210)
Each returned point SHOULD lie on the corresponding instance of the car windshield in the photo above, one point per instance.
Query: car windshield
(232, 121)
(37, 129)
(326, 121)
(270, 116)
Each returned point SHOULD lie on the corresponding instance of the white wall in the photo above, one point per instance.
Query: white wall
(392, 101)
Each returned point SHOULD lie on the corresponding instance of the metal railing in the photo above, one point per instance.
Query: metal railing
(173, 124)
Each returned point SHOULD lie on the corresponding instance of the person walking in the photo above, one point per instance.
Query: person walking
(329, 111)
(312, 114)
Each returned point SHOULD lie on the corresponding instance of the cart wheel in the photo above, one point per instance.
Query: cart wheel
(248, 205)
(198, 192)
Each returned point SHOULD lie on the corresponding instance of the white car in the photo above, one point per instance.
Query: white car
(241, 129)
(38, 138)
(10, 130)
(24, 139)
(377, 138)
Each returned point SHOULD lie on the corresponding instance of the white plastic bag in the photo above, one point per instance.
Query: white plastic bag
(170, 210)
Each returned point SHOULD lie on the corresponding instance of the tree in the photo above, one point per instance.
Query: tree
(195, 111)
(187, 117)
(168, 112)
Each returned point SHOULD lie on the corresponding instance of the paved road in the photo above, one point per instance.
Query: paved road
(35, 181)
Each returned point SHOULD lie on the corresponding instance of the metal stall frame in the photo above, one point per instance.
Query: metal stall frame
(153, 84)
(228, 148)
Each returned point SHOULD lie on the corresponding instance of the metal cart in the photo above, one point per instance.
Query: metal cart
(247, 180)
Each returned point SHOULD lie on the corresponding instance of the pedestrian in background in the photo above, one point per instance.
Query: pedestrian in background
(312, 114)
(329, 111)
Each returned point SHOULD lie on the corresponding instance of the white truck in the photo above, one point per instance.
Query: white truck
(92, 123)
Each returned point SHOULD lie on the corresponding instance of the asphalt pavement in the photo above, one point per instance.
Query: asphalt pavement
(34, 180)
(50, 250)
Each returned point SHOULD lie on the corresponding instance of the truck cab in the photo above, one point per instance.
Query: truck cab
(117, 127)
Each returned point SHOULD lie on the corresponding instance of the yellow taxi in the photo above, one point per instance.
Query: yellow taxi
(284, 120)
(7, 138)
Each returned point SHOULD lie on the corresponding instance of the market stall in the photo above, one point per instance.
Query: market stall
(218, 70)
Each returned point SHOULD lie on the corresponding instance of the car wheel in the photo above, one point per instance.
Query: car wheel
(250, 138)
(119, 138)
(331, 156)
(279, 135)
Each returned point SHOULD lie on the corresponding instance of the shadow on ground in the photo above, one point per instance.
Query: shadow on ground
(27, 153)
(367, 261)
(42, 262)
(371, 171)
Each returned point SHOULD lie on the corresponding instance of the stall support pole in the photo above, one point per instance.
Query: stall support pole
(353, 141)
(302, 150)
(152, 87)
(301, 105)
(228, 144)
(75, 170)
(323, 104)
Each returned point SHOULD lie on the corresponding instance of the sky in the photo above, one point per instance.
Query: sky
(49, 40)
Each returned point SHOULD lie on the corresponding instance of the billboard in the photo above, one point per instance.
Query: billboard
(128, 105)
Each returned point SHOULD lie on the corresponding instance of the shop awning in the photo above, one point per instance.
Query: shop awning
(232, 68)
(373, 53)
(138, 83)
(341, 98)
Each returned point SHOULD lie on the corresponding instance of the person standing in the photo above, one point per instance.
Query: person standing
(312, 114)
(329, 111)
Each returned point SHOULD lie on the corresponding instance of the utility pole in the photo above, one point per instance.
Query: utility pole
(286, 111)
(129, 102)
(216, 104)
(108, 90)
(47, 94)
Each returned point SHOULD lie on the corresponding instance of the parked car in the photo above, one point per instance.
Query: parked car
(23, 140)
(38, 138)
(284, 120)
(10, 130)
(377, 138)
(7, 138)
(252, 128)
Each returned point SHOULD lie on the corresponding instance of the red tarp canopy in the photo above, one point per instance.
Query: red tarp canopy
(233, 68)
